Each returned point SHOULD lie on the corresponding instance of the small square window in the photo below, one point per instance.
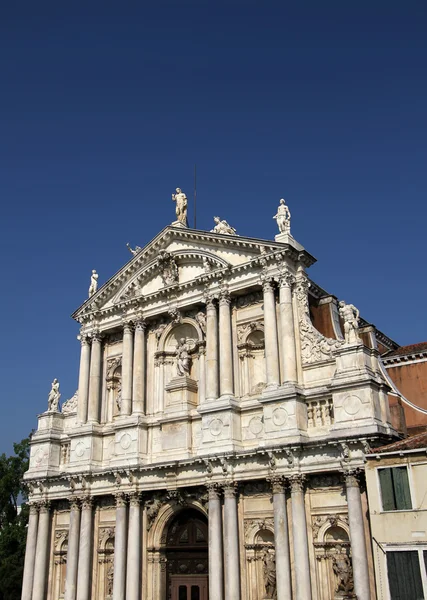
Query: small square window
(395, 493)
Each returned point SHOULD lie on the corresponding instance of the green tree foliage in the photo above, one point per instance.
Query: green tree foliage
(13, 526)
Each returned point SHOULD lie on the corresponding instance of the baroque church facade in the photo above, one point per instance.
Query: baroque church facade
(214, 447)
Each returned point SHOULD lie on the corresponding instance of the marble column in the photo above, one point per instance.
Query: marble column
(225, 346)
(83, 394)
(120, 545)
(95, 378)
(212, 388)
(216, 568)
(357, 537)
(300, 542)
(84, 577)
(270, 336)
(30, 553)
(138, 391)
(231, 543)
(127, 369)
(287, 327)
(72, 551)
(134, 549)
(281, 540)
(41, 563)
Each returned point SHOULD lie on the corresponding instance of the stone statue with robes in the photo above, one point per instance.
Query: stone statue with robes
(221, 226)
(93, 283)
(53, 398)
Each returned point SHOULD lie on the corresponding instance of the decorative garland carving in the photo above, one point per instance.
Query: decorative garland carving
(314, 346)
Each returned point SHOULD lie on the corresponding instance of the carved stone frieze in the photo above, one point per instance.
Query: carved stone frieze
(248, 299)
(266, 523)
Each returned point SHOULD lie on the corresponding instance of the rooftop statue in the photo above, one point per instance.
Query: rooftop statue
(223, 227)
(283, 217)
(133, 251)
(181, 206)
(350, 316)
(93, 283)
(53, 398)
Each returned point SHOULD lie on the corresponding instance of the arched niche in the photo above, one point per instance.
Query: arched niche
(251, 349)
(333, 559)
(260, 556)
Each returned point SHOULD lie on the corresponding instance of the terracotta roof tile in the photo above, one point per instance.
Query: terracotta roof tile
(411, 443)
(404, 350)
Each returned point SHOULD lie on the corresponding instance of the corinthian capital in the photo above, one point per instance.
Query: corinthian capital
(278, 484)
(231, 489)
(214, 491)
(297, 482)
(224, 298)
(286, 279)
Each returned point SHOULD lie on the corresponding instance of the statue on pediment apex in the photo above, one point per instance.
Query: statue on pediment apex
(53, 398)
(221, 226)
(181, 202)
(283, 217)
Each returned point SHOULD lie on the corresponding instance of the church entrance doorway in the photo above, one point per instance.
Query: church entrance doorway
(187, 557)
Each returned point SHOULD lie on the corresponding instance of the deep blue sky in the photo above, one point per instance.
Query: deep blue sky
(106, 106)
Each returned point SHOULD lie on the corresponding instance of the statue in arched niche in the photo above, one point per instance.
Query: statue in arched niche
(184, 350)
(269, 572)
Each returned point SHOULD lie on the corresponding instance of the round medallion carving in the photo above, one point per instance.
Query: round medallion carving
(39, 457)
(280, 416)
(256, 425)
(216, 426)
(80, 449)
(125, 441)
(352, 404)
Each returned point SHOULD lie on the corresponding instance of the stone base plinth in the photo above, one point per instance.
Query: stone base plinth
(181, 394)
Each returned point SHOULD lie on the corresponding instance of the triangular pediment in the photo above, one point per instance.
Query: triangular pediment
(176, 258)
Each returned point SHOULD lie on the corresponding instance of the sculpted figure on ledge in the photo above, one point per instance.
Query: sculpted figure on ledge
(53, 398)
(93, 283)
(223, 227)
(350, 316)
(283, 217)
(181, 206)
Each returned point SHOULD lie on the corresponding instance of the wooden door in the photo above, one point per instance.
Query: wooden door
(189, 587)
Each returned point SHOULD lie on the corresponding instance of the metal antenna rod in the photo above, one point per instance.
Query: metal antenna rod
(195, 197)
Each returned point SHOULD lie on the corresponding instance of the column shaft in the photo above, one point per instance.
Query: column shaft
(120, 545)
(299, 531)
(84, 581)
(139, 369)
(72, 552)
(127, 369)
(225, 347)
(30, 553)
(216, 569)
(211, 351)
(281, 542)
(83, 394)
(95, 379)
(42, 552)
(134, 550)
(357, 539)
(231, 545)
(270, 336)
(288, 329)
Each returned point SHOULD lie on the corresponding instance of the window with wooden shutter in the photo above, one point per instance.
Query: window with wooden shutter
(395, 493)
(404, 576)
